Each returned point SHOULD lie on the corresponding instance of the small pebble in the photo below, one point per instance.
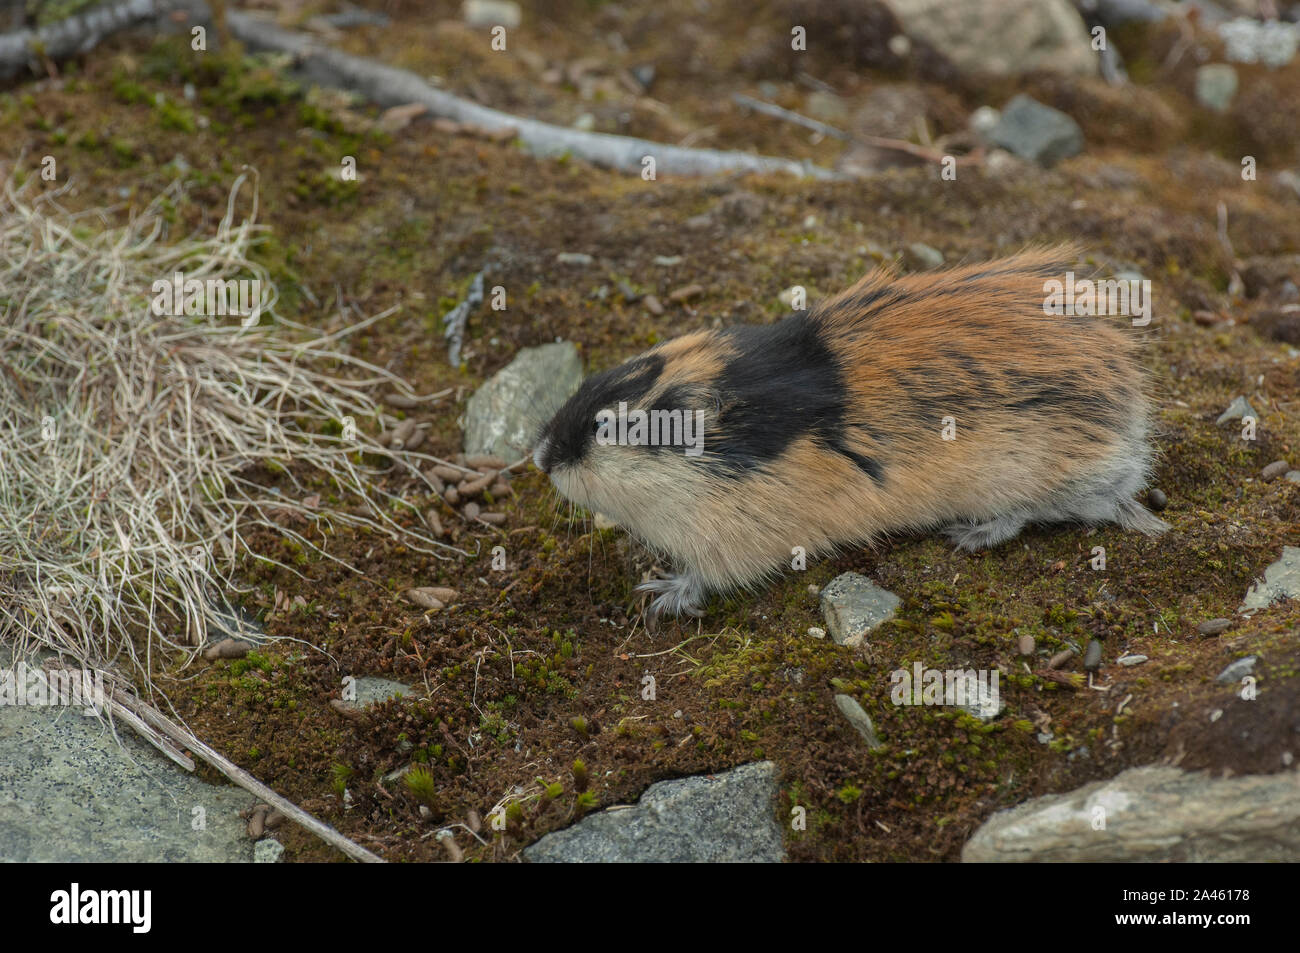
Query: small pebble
(423, 596)
(1026, 644)
(1239, 408)
(653, 306)
(1060, 658)
(470, 488)
(816, 633)
(227, 648)
(402, 401)
(1092, 657)
(1214, 626)
(1293, 476)
(402, 433)
(1237, 670)
(471, 511)
(1156, 499)
(1128, 660)
(414, 440)
(1274, 470)
(257, 823)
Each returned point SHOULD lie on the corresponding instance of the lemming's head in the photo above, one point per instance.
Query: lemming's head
(637, 431)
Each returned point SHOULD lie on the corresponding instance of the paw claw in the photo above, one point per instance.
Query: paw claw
(673, 595)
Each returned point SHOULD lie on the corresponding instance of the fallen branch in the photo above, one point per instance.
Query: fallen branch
(390, 86)
(29, 49)
(455, 319)
(880, 142)
(779, 112)
(165, 734)
(246, 781)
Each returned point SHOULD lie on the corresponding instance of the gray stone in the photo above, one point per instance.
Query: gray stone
(1274, 470)
(919, 256)
(1036, 132)
(1281, 581)
(1119, 12)
(1293, 476)
(1152, 814)
(853, 605)
(1237, 670)
(1092, 657)
(1271, 42)
(858, 718)
(1239, 408)
(1128, 661)
(267, 851)
(489, 13)
(71, 792)
(723, 818)
(371, 690)
(986, 707)
(1216, 84)
(505, 414)
(1001, 37)
(826, 106)
(1214, 626)
(574, 258)
(984, 120)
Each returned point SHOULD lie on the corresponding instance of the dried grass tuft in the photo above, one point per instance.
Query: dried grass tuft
(127, 438)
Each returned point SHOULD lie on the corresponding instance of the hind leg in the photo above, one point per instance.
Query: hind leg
(972, 536)
(1108, 501)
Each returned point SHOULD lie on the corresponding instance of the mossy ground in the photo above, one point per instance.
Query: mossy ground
(542, 666)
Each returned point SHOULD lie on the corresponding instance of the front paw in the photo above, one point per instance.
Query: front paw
(680, 594)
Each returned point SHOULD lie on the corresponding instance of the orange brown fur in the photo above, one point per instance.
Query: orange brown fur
(829, 428)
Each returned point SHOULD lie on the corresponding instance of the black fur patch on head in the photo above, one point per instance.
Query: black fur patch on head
(784, 383)
(572, 430)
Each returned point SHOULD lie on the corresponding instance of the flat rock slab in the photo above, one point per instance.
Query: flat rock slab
(853, 605)
(70, 792)
(1152, 814)
(722, 818)
(1001, 37)
(504, 415)
(1281, 580)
